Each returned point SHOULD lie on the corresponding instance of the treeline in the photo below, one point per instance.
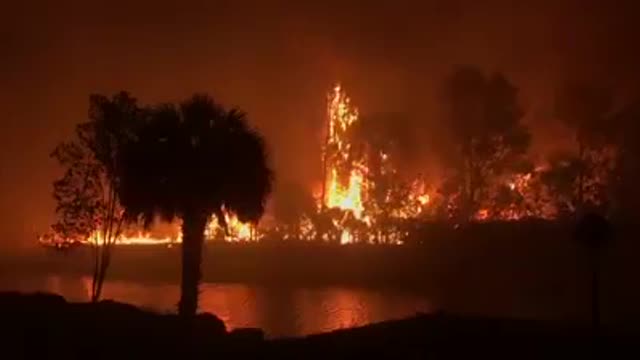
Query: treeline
(496, 171)
(132, 164)
(493, 174)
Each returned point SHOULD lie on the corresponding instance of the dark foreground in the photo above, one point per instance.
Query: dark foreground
(46, 326)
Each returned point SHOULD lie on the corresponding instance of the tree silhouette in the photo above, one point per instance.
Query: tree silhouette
(586, 109)
(485, 119)
(190, 162)
(627, 170)
(560, 180)
(87, 203)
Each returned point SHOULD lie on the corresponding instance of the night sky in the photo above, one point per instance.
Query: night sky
(277, 60)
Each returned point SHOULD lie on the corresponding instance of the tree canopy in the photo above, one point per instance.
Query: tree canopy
(195, 157)
(485, 120)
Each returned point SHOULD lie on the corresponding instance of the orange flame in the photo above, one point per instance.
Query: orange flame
(238, 231)
(349, 198)
(345, 187)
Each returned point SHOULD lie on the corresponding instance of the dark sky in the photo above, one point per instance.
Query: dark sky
(276, 60)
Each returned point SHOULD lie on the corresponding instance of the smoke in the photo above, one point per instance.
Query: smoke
(278, 61)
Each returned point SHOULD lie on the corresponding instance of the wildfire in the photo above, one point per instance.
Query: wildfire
(482, 215)
(339, 161)
(237, 232)
(348, 186)
(349, 181)
(363, 197)
(346, 238)
(96, 238)
(349, 198)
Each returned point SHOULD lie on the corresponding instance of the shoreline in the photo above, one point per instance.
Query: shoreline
(110, 328)
(503, 270)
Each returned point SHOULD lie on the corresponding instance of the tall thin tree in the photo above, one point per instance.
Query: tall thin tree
(87, 203)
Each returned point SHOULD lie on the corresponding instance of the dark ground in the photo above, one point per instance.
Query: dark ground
(45, 326)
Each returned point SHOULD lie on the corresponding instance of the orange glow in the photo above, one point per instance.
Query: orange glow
(348, 179)
(345, 181)
(482, 215)
(346, 237)
(96, 238)
(141, 239)
(349, 198)
(238, 231)
(369, 212)
(340, 163)
(346, 187)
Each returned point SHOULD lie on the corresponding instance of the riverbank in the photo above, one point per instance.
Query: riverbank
(46, 326)
(513, 271)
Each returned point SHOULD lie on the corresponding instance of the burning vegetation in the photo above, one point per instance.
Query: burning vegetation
(360, 200)
(365, 198)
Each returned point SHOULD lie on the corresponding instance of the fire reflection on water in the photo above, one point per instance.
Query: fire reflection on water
(278, 311)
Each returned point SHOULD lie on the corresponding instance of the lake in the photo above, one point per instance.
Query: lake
(279, 311)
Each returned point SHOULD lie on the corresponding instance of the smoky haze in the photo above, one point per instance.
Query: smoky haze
(277, 61)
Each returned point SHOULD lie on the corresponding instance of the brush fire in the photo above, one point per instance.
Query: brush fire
(363, 197)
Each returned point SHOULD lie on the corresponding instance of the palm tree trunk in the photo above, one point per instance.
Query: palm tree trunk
(193, 227)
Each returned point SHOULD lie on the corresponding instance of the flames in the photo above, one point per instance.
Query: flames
(355, 205)
(348, 198)
(96, 239)
(237, 231)
(346, 187)
(340, 162)
(349, 182)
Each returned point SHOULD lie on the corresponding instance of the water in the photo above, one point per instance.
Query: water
(280, 312)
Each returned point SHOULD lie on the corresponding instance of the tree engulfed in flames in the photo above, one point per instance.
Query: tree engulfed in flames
(354, 206)
(344, 199)
(340, 163)
(347, 198)
(348, 184)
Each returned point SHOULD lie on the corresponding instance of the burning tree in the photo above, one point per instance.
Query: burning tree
(362, 199)
(87, 203)
(344, 167)
(485, 120)
(561, 182)
(585, 109)
(367, 195)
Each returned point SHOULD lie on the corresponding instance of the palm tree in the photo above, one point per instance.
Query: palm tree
(190, 162)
